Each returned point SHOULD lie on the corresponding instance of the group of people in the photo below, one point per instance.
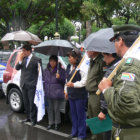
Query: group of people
(120, 97)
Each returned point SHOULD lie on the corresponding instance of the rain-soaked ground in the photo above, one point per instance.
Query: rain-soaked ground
(12, 129)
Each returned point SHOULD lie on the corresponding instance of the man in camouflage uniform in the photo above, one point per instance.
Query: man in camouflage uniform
(95, 74)
(123, 95)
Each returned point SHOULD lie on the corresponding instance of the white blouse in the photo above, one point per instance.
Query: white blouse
(81, 83)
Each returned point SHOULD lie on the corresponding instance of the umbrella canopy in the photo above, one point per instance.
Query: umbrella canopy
(99, 41)
(54, 47)
(22, 36)
(77, 45)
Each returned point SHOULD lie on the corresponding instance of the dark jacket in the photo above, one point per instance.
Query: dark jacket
(109, 69)
(29, 75)
(75, 93)
(53, 87)
(95, 74)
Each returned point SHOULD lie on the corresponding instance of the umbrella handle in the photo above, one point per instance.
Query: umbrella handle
(58, 62)
(57, 68)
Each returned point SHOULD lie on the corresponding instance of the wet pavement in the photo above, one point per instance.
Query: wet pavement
(12, 129)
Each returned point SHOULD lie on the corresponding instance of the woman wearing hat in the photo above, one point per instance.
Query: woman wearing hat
(77, 95)
(54, 79)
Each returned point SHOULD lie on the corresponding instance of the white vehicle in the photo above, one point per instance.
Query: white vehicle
(11, 81)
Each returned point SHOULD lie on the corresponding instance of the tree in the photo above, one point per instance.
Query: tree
(98, 13)
(65, 27)
(95, 12)
(105, 13)
(129, 10)
(126, 9)
(20, 14)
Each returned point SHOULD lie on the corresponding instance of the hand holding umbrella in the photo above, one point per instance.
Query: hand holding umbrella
(57, 75)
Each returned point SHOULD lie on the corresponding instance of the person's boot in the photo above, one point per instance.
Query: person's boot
(57, 126)
(26, 120)
(50, 126)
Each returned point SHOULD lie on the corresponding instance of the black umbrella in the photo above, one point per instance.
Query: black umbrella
(54, 47)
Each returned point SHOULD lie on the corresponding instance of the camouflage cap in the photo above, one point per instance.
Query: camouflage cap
(128, 29)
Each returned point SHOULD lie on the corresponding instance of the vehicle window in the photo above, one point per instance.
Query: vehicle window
(65, 59)
(13, 59)
(4, 56)
(45, 59)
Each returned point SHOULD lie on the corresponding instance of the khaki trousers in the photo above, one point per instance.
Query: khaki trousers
(93, 111)
(127, 134)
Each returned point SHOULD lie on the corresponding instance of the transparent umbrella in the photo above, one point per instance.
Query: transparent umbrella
(99, 41)
(22, 36)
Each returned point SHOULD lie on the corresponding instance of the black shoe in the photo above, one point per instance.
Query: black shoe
(57, 126)
(26, 120)
(71, 136)
(33, 123)
(50, 127)
(80, 138)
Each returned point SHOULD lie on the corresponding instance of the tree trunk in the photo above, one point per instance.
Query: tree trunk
(106, 20)
(127, 19)
(88, 28)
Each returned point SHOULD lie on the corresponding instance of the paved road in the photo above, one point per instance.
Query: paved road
(12, 129)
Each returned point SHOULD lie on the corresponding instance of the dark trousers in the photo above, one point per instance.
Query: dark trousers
(77, 108)
(54, 111)
(107, 135)
(28, 98)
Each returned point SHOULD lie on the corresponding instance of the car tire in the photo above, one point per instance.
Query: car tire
(15, 100)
